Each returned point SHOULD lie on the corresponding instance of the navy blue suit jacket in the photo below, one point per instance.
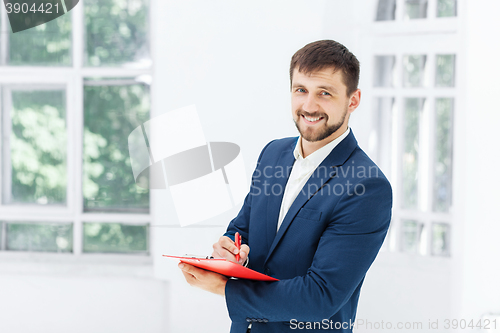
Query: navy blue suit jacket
(324, 247)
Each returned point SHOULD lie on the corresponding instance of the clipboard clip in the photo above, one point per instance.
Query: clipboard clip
(198, 256)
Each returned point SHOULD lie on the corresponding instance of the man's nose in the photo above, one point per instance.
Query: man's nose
(310, 104)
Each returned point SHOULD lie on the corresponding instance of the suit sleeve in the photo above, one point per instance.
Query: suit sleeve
(345, 251)
(241, 222)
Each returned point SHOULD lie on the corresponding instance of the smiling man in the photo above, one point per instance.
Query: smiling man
(322, 225)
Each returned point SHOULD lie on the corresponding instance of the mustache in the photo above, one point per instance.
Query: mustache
(311, 115)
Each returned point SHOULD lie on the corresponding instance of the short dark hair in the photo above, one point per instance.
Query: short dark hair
(323, 54)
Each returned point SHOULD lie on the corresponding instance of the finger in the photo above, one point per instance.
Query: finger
(218, 250)
(228, 244)
(185, 269)
(244, 251)
(221, 249)
(189, 278)
(190, 269)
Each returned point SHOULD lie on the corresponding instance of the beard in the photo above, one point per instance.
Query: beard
(318, 134)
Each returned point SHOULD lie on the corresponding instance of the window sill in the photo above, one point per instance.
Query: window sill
(28, 263)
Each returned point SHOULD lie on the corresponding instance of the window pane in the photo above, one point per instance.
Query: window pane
(117, 32)
(2, 234)
(411, 233)
(37, 148)
(40, 237)
(383, 141)
(440, 239)
(115, 238)
(415, 9)
(414, 70)
(48, 44)
(443, 155)
(445, 70)
(112, 112)
(412, 111)
(384, 71)
(386, 10)
(446, 8)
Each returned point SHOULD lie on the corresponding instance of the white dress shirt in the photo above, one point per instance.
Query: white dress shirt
(302, 169)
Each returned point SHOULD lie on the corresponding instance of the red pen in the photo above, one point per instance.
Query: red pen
(237, 242)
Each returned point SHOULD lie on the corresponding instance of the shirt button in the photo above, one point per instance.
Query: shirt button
(249, 320)
(265, 320)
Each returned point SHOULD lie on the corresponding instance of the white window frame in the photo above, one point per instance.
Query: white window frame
(72, 79)
(387, 38)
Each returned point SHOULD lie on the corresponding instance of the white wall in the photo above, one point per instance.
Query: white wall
(479, 272)
(41, 296)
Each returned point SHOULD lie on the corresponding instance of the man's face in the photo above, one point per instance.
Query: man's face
(320, 105)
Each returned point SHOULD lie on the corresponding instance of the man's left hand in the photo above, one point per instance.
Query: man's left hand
(206, 280)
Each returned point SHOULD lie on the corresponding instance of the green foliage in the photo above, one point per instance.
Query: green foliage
(111, 114)
(447, 8)
(414, 67)
(53, 237)
(48, 44)
(415, 9)
(116, 31)
(38, 147)
(443, 154)
(114, 237)
(445, 70)
(411, 148)
(411, 235)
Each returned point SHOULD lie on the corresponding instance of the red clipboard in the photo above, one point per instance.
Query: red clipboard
(224, 267)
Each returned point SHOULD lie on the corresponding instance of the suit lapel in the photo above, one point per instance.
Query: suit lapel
(284, 165)
(326, 170)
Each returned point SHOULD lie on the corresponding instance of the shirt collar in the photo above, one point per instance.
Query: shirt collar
(319, 155)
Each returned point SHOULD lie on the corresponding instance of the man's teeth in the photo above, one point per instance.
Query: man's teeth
(312, 119)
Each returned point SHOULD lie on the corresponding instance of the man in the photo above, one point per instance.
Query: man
(317, 212)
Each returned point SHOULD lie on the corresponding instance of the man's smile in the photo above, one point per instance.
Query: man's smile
(311, 120)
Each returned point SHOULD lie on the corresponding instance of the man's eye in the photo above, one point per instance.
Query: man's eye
(324, 93)
(301, 90)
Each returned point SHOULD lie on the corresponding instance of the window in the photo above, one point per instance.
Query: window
(34, 145)
(71, 91)
(415, 9)
(446, 8)
(386, 10)
(414, 100)
(384, 66)
(411, 10)
(108, 183)
(38, 237)
(48, 44)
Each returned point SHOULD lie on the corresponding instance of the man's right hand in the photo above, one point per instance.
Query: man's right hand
(226, 249)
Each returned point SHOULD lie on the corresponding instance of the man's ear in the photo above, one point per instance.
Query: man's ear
(354, 101)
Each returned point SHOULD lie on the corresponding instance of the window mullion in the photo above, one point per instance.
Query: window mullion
(424, 157)
(77, 36)
(77, 132)
(77, 164)
(400, 10)
(432, 9)
(432, 153)
(77, 236)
